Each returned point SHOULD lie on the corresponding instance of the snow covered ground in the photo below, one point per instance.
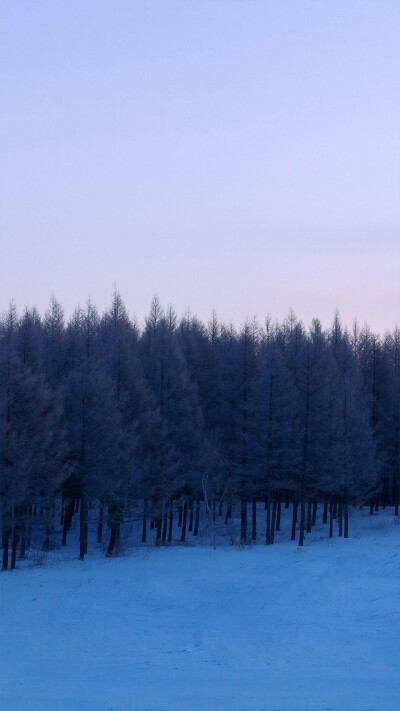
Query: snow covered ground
(189, 628)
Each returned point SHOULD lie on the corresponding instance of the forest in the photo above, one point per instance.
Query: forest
(178, 419)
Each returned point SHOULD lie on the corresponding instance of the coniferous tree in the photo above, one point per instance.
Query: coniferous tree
(98, 415)
(31, 444)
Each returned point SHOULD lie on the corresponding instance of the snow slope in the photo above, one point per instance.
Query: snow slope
(184, 628)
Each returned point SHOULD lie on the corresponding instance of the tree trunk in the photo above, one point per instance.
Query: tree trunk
(302, 518)
(278, 515)
(268, 522)
(197, 518)
(309, 508)
(5, 543)
(113, 540)
(23, 548)
(180, 512)
(325, 514)
(214, 536)
(144, 521)
(24, 513)
(46, 542)
(331, 520)
(158, 524)
(385, 493)
(118, 537)
(346, 520)
(314, 512)
(165, 522)
(29, 531)
(65, 528)
(100, 524)
(243, 521)
(24, 516)
(191, 515)
(83, 528)
(15, 539)
(273, 522)
(396, 490)
(228, 514)
(253, 520)
(69, 512)
(294, 519)
(340, 519)
(184, 521)
(170, 520)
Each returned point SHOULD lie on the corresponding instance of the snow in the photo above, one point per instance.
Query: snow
(254, 629)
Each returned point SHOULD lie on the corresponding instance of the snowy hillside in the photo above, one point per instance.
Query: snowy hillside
(255, 629)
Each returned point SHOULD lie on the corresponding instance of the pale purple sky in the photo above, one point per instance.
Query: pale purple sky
(242, 156)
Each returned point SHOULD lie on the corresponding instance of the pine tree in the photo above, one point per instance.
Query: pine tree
(30, 440)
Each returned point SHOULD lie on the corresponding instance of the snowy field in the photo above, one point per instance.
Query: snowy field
(192, 629)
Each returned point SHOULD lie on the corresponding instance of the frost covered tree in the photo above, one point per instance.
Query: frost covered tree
(135, 423)
(388, 406)
(355, 468)
(313, 397)
(31, 441)
(96, 457)
(278, 442)
(180, 416)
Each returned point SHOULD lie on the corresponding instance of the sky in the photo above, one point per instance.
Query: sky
(236, 155)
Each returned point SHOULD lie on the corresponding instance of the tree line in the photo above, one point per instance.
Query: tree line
(98, 412)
